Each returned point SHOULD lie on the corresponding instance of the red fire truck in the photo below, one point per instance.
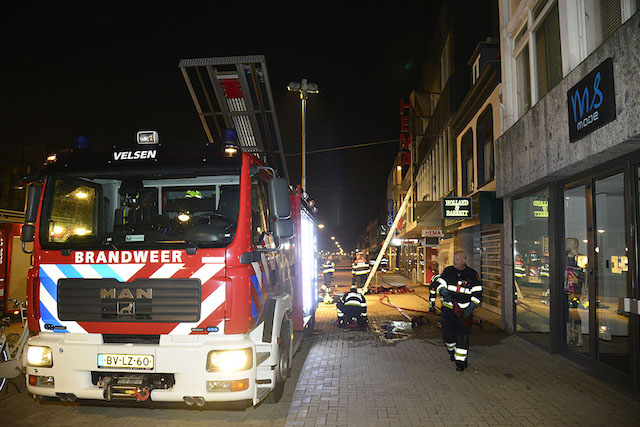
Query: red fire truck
(167, 272)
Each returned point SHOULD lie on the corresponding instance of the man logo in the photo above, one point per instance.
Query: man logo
(126, 308)
(125, 293)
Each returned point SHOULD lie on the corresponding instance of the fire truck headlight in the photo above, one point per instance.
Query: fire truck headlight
(230, 360)
(39, 356)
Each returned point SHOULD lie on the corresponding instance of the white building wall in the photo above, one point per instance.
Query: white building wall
(580, 35)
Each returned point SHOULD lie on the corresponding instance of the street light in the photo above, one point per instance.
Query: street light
(333, 237)
(320, 226)
(304, 88)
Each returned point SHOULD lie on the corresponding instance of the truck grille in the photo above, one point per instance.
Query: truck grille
(143, 300)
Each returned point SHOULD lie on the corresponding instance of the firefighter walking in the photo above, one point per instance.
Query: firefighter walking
(460, 293)
(359, 271)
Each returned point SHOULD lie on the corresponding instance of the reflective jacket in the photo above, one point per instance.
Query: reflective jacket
(355, 299)
(328, 267)
(432, 288)
(463, 285)
(360, 267)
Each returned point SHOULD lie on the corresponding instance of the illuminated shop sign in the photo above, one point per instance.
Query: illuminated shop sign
(541, 208)
(432, 232)
(405, 132)
(389, 213)
(456, 208)
(592, 102)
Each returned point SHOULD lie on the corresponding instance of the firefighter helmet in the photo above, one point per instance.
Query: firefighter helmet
(193, 194)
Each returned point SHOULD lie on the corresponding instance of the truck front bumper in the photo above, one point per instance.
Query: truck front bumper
(183, 358)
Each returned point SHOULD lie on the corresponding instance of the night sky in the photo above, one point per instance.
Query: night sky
(106, 69)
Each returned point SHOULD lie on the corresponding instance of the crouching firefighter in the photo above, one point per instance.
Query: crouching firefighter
(353, 304)
(461, 292)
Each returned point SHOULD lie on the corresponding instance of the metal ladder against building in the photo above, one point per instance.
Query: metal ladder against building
(234, 92)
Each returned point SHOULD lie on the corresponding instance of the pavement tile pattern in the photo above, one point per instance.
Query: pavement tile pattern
(391, 375)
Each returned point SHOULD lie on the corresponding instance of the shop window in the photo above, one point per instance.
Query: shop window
(466, 151)
(548, 52)
(531, 266)
(484, 146)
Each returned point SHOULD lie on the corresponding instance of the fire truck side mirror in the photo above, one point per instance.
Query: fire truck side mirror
(280, 208)
(279, 198)
(31, 213)
(283, 228)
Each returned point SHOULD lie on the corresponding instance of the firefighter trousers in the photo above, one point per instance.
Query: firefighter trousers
(328, 277)
(455, 336)
(347, 312)
(359, 280)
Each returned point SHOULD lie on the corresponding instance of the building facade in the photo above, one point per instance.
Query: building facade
(428, 242)
(568, 170)
(477, 124)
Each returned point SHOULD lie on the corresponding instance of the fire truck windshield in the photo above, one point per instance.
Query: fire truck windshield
(86, 212)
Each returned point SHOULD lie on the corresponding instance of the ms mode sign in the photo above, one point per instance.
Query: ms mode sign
(592, 102)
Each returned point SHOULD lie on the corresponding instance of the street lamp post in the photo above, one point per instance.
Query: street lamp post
(304, 88)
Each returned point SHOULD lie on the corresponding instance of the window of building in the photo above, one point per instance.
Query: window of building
(484, 146)
(548, 52)
(445, 65)
(466, 151)
(531, 265)
(520, 37)
(523, 82)
(610, 17)
(475, 70)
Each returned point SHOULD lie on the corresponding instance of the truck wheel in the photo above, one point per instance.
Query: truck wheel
(282, 371)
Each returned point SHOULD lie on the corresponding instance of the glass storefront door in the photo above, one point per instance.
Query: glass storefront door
(575, 278)
(595, 271)
(611, 262)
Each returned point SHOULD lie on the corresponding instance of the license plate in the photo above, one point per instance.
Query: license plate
(125, 361)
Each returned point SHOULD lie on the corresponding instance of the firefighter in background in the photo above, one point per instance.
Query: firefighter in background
(384, 265)
(352, 305)
(359, 271)
(461, 292)
(328, 268)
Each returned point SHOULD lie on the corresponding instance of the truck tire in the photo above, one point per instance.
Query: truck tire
(282, 370)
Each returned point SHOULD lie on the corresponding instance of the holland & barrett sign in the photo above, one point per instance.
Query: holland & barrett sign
(592, 102)
(456, 208)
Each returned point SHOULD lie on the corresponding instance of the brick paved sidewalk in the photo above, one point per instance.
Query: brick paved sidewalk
(363, 378)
